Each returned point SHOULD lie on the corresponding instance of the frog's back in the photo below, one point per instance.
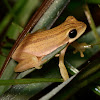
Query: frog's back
(41, 43)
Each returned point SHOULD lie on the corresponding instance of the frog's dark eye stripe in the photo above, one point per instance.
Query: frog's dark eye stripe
(73, 33)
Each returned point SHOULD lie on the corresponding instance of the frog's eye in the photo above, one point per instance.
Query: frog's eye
(73, 33)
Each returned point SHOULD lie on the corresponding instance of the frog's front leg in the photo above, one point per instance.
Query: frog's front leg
(62, 67)
(26, 62)
(80, 47)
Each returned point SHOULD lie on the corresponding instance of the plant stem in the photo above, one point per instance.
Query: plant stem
(91, 21)
(29, 81)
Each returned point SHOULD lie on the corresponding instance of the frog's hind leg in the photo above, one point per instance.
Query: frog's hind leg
(25, 64)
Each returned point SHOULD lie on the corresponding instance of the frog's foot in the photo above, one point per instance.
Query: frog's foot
(27, 64)
(79, 47)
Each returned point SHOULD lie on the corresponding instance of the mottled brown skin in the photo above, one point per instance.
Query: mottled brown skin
(37, 45)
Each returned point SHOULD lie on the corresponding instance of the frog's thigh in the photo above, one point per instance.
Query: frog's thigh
(62, 67)
(30, 62)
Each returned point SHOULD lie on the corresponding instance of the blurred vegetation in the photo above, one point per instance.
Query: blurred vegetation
(15, 14)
